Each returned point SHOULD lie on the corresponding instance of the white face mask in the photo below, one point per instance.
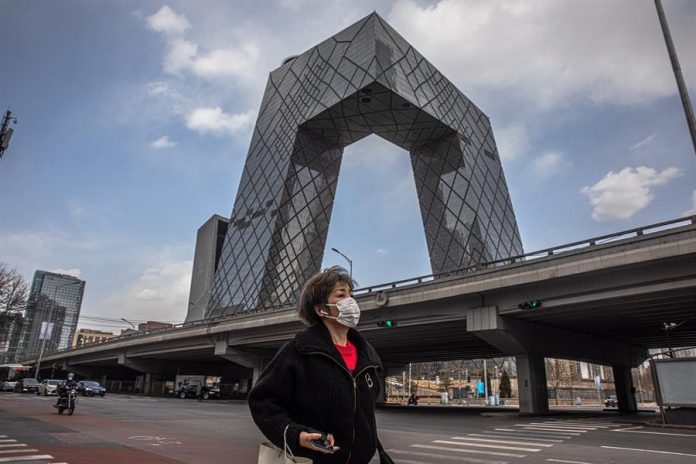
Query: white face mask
(348, 312)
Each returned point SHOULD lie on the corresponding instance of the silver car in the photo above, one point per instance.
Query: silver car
(48, 387)
(8, 385)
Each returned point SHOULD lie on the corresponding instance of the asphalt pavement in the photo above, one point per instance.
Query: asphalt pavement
(136, 429)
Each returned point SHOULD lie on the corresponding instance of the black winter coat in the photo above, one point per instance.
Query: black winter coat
(308, 386)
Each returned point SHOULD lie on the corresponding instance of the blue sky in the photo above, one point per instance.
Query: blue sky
(135, 118)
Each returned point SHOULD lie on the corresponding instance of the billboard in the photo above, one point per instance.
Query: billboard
(675, 380)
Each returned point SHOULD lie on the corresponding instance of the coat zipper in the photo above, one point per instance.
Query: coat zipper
(355, 394)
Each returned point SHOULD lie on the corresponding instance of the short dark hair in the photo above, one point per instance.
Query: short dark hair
(317, 289)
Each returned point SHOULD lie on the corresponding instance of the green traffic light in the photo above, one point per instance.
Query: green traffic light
(388, 323)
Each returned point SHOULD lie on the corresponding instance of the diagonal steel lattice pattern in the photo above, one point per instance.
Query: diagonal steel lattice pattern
(364, 80)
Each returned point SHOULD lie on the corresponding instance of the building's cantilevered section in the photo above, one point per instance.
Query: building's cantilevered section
(364, 80)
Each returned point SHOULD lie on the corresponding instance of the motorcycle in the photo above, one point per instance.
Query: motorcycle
(68, 403)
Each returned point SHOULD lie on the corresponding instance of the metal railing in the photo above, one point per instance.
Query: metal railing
(524, 258)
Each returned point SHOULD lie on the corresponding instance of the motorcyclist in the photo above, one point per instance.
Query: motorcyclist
(65, 387)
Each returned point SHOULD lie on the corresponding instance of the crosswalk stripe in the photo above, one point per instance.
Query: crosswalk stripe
(460, 450)
(444, 456)
(34, 457)
(492, 434)
(483, 445)
(545, 445)
(19, 450)
(546, 434)
(568, 426)
(12, 445)
(552, 431)
(553, 428)
(568, 462)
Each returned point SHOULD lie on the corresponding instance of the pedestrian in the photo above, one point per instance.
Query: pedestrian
(319, 390)
(199, 391)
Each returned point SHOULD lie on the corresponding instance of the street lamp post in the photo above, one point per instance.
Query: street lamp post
(129, 322)
(48, 325)
(350, 262)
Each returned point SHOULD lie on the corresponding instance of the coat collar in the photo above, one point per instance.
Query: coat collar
(318, 339)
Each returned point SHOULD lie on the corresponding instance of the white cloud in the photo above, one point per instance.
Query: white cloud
(692, 211)
(551, 52)
(382, 251)
(226, 62)
(180, 55)
(621, 195)
(643, 142)
(162, 142)
(167, 21)
(216, 121)
(70, 272)
(512, 141)
(157, 88)
(549, 164)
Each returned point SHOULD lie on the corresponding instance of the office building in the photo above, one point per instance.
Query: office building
(364, 80)
(53, 309)
(209, 241)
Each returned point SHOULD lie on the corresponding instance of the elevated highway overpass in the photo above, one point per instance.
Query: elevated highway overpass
(604, 300)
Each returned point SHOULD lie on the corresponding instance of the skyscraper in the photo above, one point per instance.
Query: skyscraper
(52, 312)
(364, 80)
(209, 241)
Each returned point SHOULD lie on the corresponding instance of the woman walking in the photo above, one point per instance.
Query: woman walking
(320, 388)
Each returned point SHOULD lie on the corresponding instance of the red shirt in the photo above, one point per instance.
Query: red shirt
(349, 353)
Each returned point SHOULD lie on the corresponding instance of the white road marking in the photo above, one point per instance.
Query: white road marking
(568, 462)
(543, 434)
(460, 450)
(524, 443)
(12, 445)
(634, 430)
(443, 456)
(34, 457)
(649, 451)
(552, 428)
(549, 431)
(524, 437)
(483, 445)
(564, 426)
(19, 450)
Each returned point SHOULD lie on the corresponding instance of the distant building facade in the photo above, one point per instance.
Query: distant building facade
(153, 325)
(10, 330)
(209, 241)
(86, 336)
(53, 309)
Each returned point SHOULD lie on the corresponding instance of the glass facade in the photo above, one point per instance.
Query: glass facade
(364, 80)
(54, 304)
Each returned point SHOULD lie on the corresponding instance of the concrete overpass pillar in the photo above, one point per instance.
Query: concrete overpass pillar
(623, 382)
(531, 384)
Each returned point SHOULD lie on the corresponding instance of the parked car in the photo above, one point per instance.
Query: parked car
(8, 385)
(48, 387)
(26, 386)
(189, 391)
(611, 402)
(91, 388)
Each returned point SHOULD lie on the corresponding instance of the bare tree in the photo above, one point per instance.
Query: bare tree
(554, 375)
(13, 295)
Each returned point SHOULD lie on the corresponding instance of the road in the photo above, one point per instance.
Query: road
(135, 429)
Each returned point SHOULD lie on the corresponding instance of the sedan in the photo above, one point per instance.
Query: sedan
(91, 388)
(191, 390)
(26, 386)
(8, 385)
(48, 387)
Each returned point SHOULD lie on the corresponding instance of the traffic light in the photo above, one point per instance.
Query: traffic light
(388, 323)
(531, 304)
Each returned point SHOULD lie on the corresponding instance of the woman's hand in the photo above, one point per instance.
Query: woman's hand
(306, 441)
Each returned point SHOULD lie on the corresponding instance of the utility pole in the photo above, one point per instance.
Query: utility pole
(6, 131)
(683, 93)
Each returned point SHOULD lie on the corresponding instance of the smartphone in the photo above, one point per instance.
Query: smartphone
(323, 445)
